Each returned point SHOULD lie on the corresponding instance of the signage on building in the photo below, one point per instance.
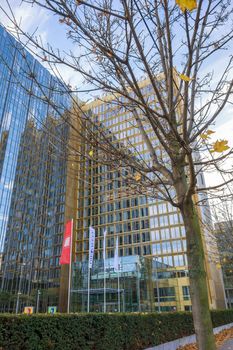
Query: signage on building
(66, 246)
(91, 246)
(28, 310)
(52, 309)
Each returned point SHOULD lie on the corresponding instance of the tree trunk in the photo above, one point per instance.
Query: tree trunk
(198, 281)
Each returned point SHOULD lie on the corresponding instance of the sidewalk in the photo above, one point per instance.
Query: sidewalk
(228, 345)
(175, 344)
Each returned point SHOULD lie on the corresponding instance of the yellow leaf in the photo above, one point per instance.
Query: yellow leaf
(138, 177)
(220, 146)
(187, 5)
(185, 77)
(218, 266)
(204, 136)
(209, 132)
(91, 153)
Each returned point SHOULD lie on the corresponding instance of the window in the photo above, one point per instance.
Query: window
(187, 308)
(178, 260)
(177, 246)
(166, 246)
(137, 250)
(118, 228)
(135, 213)
(146, 250)
(127, 239)
(163, 220)
(165, 294)
(119, 216)
(136, 238)
(135, 225)
(154, 222)
(186, 292)
(183, 234)
(145, 236)
(155, 236)
(157, 248)
(167, 260)
(174, 220)
(165, 233)
(144, 224)
(162, 208)
(175, 232)
(144, 211)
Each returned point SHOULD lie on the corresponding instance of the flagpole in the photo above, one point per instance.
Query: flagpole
(118, 291)
(116, 269)
(88, 290)
(90, 262)
(104, 289)
(104, 256)
(70, 271)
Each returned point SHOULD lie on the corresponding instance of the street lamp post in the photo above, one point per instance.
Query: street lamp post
(157, 283)
(38, 300)
(138, 285)
(19, 289)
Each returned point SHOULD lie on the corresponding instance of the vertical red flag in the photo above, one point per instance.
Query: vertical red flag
(66, 246)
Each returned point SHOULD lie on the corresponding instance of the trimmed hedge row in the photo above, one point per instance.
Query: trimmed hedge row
(97, 331)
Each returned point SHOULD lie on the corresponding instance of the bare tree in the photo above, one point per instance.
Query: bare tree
(172, 45)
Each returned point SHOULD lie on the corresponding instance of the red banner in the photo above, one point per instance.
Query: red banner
(66, 246)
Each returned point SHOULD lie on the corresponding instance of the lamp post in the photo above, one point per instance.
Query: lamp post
(19, 289)
(38, 300)
(138, 285)
(157, 283)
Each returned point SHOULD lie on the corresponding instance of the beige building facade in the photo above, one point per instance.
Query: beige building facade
(144, 226)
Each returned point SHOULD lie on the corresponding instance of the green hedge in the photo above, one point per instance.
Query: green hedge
(97, 331)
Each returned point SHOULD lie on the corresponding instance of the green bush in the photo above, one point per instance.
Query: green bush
(97, 331)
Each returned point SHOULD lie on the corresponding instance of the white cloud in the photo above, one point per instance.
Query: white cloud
(30, 18)
(70, 76)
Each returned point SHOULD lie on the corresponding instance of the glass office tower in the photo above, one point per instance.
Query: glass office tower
(145, 227)
(33, 139)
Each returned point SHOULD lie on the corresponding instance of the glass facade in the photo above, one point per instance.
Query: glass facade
(33, 139)
(144, 226)
(141, 285)
(40, 189)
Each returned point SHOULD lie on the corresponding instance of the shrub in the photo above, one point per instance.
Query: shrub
(97, 331)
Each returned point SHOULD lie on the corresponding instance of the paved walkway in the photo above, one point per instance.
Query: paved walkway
(228, 345)
(175, 344)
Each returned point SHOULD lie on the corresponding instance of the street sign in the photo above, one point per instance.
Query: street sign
(28, 310)
(52, 309)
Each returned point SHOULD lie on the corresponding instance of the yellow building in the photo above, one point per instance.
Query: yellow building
(145, 227)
